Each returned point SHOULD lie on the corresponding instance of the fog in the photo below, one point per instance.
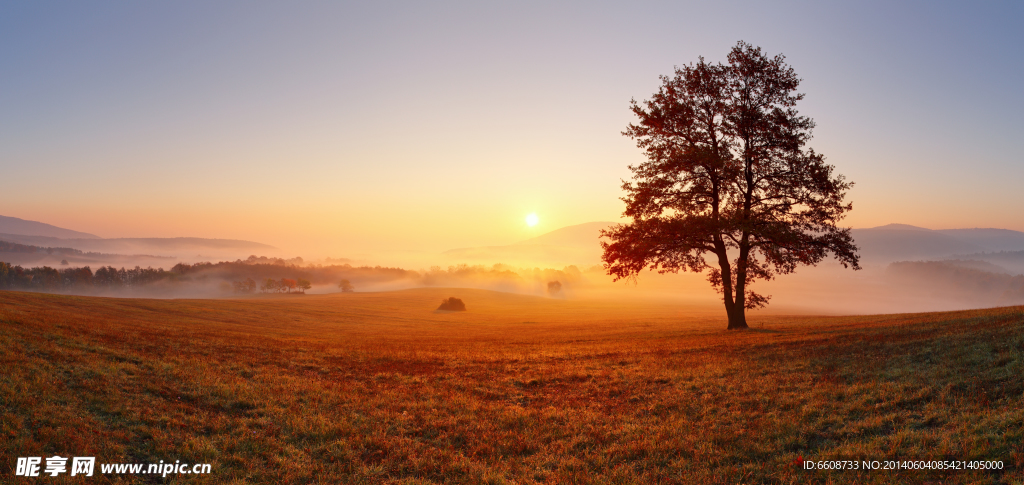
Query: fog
(905, 269)
(828, 289)
(128, 252)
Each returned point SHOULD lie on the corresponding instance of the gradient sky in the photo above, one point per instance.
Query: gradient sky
(341, 129)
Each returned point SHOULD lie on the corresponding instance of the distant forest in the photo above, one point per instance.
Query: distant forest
(970, 278)
(262, 274)
(46, 278)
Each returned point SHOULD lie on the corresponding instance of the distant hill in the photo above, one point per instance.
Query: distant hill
(977, 281)
(189, 248)
(582, 235)
(14, 225)
(578, 244)
(28, 255)
(989, 239)
(900, 242)
(897, 227)
(1009, 261)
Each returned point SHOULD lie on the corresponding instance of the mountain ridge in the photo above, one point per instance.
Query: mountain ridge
(24, 227)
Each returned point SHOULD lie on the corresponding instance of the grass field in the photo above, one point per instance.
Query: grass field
(378, 388)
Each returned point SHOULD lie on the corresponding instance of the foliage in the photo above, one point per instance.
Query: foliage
(346, 286)
(287, 284)
(253, 259)
(235, 274)
(499, 276)
(247, 286)
(241, 277)
(185, 268)
(46, 278)
(452, 304)
(728, 187)
(270, 285)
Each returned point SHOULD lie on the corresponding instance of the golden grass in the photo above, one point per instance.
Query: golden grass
(378, 388)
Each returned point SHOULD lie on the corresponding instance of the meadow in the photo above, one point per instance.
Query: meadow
(368, 388)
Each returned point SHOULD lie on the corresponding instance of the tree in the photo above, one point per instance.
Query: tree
(346, 286)
(247, 286)
(304, 285)
(728, 186)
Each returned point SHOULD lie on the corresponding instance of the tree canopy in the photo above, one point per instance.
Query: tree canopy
(729, 187)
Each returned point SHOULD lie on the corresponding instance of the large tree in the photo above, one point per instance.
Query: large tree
(729, 187)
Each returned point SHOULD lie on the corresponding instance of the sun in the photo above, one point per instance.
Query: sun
(532, 220)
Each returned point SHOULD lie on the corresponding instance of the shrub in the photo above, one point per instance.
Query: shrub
(452, 305)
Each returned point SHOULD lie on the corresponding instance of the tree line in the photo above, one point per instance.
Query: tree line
(244, 277)
(270, 285)
(46, 278)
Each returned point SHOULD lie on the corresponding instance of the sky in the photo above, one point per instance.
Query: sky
(340, 129)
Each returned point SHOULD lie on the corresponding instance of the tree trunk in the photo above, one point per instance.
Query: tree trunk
(738, 318)
(737, 315)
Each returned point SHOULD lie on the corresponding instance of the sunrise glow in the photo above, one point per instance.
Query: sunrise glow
(532, 220)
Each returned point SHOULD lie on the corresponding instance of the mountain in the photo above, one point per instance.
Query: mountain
(29, 255)
(579, 244)
(989, 239)
(901, 242)
(897, 227)
(188, 248)
(13, 225)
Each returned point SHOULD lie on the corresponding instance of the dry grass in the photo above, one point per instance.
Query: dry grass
(378, 388)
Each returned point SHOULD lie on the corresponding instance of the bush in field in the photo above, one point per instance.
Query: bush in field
(452, 305)
(554, 287)
(346, 286)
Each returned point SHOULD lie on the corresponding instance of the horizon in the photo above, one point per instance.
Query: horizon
(932, 261)
(281, 252)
